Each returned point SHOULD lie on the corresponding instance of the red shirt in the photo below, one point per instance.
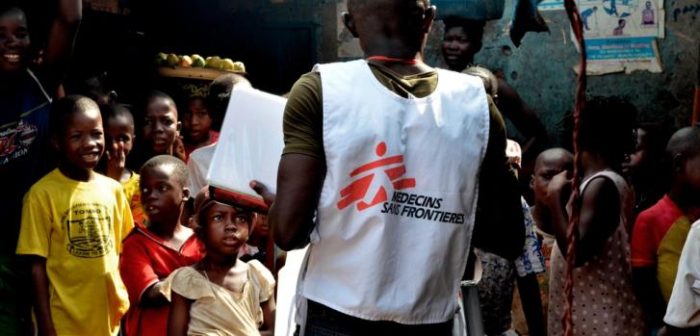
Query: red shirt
(146, 260)
(650, 229)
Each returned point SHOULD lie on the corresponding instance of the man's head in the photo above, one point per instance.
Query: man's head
(461, 42)
(14, 38)
(393, 28)
(219, 94)
(683, 149)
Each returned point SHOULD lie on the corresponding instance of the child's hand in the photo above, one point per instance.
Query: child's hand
(262, 190)
(116, 158)
(559, 189)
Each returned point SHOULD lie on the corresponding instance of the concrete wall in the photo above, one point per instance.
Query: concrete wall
(541, 70)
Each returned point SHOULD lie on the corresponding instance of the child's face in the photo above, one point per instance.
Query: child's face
(120, 136)
(638, 157)
(162, 195)
(226, 230)
(82, 141)
(197, 122)
(161, 126)
(14, 40)
(545, 169)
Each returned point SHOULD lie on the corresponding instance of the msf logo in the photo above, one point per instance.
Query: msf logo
(357, 191)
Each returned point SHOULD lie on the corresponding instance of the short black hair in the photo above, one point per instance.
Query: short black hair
(219, 95)
(607, 127)
(64, 108)
(179, 168)
(116, 111)
(7, 5)
(685, 142)
(156, 94)
(473, 28)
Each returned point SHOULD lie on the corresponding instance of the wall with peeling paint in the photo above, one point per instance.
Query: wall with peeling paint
(541, 70)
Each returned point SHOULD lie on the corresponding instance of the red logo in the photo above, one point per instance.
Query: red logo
(358, 189)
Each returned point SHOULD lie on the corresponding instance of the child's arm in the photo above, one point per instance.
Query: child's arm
(598, 219)
(646, 285)
(40, 284)
(179, 315)
(268, 307)
(61, 38)
(531, 301)
(141, 280)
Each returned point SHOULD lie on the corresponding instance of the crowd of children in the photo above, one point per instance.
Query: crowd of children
(111, 228)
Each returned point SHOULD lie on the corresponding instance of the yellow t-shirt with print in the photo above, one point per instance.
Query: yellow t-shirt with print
(78, 227)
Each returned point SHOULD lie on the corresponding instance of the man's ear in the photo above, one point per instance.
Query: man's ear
(677, 163)
(350, 24)
(179, 127)
(185, 193)
(428, 18)
(532, 182)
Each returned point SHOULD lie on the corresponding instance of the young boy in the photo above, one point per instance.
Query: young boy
(25, 99)
(547, 165)
(119, 136)
(73, 222)
(161, 129)
(660, 231)
(152, 252)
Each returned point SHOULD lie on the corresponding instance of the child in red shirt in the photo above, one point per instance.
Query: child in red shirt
(151, 254)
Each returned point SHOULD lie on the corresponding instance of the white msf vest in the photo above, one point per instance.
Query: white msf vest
(397, 208)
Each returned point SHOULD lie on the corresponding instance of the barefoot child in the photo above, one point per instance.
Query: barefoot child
(221, 294)
(603, 299)
(73, 223)
(119, 136)
(151, 253)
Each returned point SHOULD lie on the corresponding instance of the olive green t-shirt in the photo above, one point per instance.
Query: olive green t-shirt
(303, 115)
(498, 209)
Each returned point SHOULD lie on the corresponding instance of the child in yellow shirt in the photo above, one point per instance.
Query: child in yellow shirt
(119, 137)
(73, 222)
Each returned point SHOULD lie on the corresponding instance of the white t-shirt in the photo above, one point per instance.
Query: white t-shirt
(198, 166)
(684, 306)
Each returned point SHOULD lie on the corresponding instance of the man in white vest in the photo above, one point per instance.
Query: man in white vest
(388, 163)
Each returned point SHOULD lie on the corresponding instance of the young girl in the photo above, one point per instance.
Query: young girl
(603, 299)
(119, 138)
(221, 294)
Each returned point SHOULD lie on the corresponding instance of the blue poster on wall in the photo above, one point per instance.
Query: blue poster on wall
(472, 9)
